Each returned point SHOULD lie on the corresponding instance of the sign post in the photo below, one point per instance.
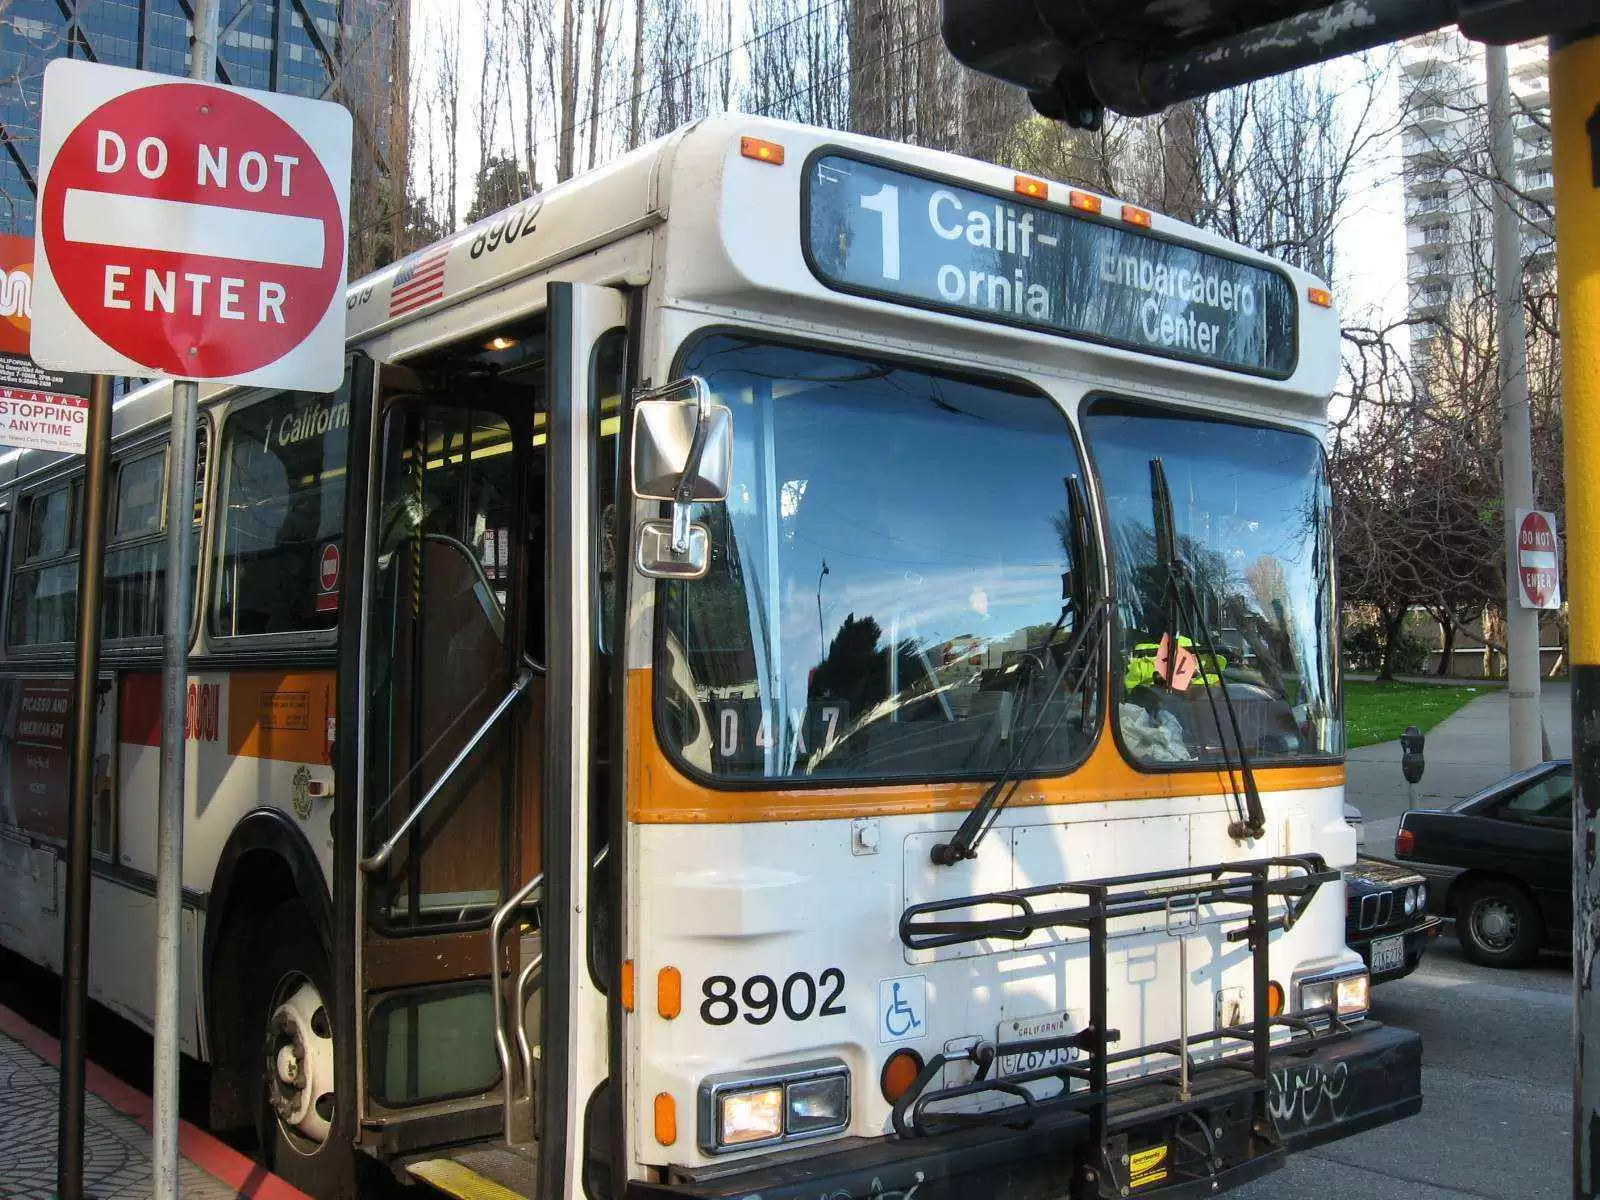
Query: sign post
(194, 231)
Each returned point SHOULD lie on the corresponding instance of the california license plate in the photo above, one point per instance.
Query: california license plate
(1033, 1029)
(1388, 954)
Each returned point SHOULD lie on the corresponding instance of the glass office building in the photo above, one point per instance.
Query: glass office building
(352, 51)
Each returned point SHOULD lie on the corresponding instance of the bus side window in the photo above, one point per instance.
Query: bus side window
(136, 562)
(44, 586)
(280, 506)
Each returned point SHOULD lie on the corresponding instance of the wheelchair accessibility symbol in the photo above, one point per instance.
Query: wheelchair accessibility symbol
(902, 1008)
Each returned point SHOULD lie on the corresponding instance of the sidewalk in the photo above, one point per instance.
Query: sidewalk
(116, 1135)
(1465, 752)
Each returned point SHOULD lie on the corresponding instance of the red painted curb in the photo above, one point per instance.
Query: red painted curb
(245, 1176)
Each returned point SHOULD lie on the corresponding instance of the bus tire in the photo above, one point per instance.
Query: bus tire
(290, 998)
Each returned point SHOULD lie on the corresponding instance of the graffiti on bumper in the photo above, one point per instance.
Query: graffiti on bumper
(1305, 1094)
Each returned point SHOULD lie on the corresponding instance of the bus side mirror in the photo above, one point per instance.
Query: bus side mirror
(682, 453)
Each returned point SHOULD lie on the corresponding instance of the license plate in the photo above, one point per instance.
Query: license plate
(1388, 954)
(1032, 1029)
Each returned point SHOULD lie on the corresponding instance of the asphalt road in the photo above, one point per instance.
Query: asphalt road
(1497, 1093)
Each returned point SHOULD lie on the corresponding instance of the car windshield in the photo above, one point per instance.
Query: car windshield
(1250, 531)
(894, 543)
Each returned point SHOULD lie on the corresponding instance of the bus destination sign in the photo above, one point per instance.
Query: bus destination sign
(889, 233)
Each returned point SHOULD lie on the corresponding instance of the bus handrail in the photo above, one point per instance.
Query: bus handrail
(502, 1045)
(378, 858)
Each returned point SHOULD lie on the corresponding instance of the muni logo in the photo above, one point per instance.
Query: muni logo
(16, 296)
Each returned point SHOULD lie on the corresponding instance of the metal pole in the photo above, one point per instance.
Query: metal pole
(1575, 125)
(1516, 426)
(80, 810)
(174, 706)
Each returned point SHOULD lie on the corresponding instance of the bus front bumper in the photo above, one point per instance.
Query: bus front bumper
(1368, 1079)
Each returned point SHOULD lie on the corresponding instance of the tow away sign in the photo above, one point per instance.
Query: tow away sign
(189, 229)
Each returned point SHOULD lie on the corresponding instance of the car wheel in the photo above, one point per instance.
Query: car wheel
(291, 998)
(1498, 926)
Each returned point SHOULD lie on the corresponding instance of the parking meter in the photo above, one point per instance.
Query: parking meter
(1411, 744)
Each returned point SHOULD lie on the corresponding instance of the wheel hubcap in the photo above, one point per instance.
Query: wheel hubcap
(299, 1054)
(1494, 923)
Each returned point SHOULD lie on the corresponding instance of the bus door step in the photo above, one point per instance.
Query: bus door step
(480, 1173)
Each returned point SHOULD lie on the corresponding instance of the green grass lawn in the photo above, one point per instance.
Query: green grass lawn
(1379, 712)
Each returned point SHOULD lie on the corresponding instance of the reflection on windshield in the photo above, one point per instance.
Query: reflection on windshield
(1250, 510)
(893, 544)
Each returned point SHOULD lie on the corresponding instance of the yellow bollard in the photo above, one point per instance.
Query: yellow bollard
(1575, 122)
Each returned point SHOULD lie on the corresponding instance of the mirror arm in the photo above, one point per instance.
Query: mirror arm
(691, 468)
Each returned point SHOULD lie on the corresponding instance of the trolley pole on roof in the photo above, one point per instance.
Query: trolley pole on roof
(1575, 121)
(80, 801)
(174, 708)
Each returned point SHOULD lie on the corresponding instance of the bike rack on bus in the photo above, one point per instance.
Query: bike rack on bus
(1093, 906)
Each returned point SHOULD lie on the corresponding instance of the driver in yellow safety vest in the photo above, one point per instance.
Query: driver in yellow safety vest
(1141, 671)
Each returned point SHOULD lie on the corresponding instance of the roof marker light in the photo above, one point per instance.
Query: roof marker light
(767, 152)
(1084, 201)
(1136, 216)
(1026, 185)
(1321, 297)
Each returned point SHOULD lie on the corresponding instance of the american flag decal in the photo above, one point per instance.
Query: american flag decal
(420, 281)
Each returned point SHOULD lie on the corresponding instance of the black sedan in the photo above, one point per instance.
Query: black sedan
(1500, 863)
(1386, 917)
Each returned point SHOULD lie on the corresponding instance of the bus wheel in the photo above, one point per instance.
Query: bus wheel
(295, 1113)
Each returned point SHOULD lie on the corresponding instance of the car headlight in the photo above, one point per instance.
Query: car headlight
(1410, 901)
(750, 1109)
(1348, 993)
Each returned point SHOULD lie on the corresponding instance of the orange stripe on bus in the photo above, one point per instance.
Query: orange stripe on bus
(280, 715)
(660, 794)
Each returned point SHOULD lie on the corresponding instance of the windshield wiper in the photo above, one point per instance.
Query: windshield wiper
(1180, 583)
(1084, 602)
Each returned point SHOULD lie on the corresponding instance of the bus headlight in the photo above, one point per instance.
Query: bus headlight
(1347, 992)
(763, 1108)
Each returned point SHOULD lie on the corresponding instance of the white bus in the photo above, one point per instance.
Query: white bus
(793, 667)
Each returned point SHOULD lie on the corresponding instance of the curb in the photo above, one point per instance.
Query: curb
(248, 1178)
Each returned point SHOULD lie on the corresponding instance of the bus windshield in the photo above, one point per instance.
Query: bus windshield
(894, 543)
(1250, 509)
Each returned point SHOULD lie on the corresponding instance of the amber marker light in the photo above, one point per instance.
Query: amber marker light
(900, 1071)
(1136, 216)
(666, 1119)
(1321, 297)
(1026, 185)
(627, 984)
(767, 152)
(1084, 201)
(1274, 999)
(669, 992)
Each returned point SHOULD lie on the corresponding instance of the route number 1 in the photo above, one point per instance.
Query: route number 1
(886, 203)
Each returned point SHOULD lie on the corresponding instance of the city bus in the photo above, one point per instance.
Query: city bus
(792, 666)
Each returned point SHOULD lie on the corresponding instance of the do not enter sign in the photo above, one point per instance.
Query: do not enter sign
(190, 230)
(1538, 561)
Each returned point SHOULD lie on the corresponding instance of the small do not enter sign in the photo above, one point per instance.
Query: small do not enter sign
(190, 229)
(1538, 560)
(329, 569)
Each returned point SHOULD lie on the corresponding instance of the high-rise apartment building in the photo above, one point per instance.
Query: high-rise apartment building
(351, 51)
(1447, 172)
